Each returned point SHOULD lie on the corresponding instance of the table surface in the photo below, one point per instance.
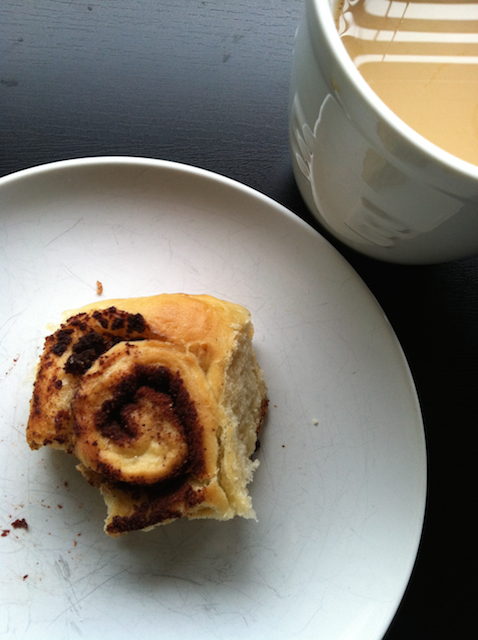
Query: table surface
(205, 82)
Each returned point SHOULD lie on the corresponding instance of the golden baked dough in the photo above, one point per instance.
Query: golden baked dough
(161, 400)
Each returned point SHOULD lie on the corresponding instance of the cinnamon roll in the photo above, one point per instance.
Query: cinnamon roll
(161, 400)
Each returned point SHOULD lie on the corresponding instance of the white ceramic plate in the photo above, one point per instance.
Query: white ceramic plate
(340, 492)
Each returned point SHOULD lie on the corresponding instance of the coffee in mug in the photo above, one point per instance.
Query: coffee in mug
(421, 59)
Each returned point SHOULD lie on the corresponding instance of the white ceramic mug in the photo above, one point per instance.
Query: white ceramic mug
(373, 182)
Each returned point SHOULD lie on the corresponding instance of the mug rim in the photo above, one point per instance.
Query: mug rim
(323, 12)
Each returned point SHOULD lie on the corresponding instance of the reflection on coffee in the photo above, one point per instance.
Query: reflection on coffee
(421, 59)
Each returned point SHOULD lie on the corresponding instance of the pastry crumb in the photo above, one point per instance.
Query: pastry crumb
(99, 287)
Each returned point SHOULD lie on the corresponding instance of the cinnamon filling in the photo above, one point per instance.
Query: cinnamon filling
(147, 431)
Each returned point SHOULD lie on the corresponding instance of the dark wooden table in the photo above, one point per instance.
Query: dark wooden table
(205, 82)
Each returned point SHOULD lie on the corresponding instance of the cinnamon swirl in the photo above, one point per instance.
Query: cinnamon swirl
(161, 400)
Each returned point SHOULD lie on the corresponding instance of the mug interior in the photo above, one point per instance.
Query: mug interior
(324, 12)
